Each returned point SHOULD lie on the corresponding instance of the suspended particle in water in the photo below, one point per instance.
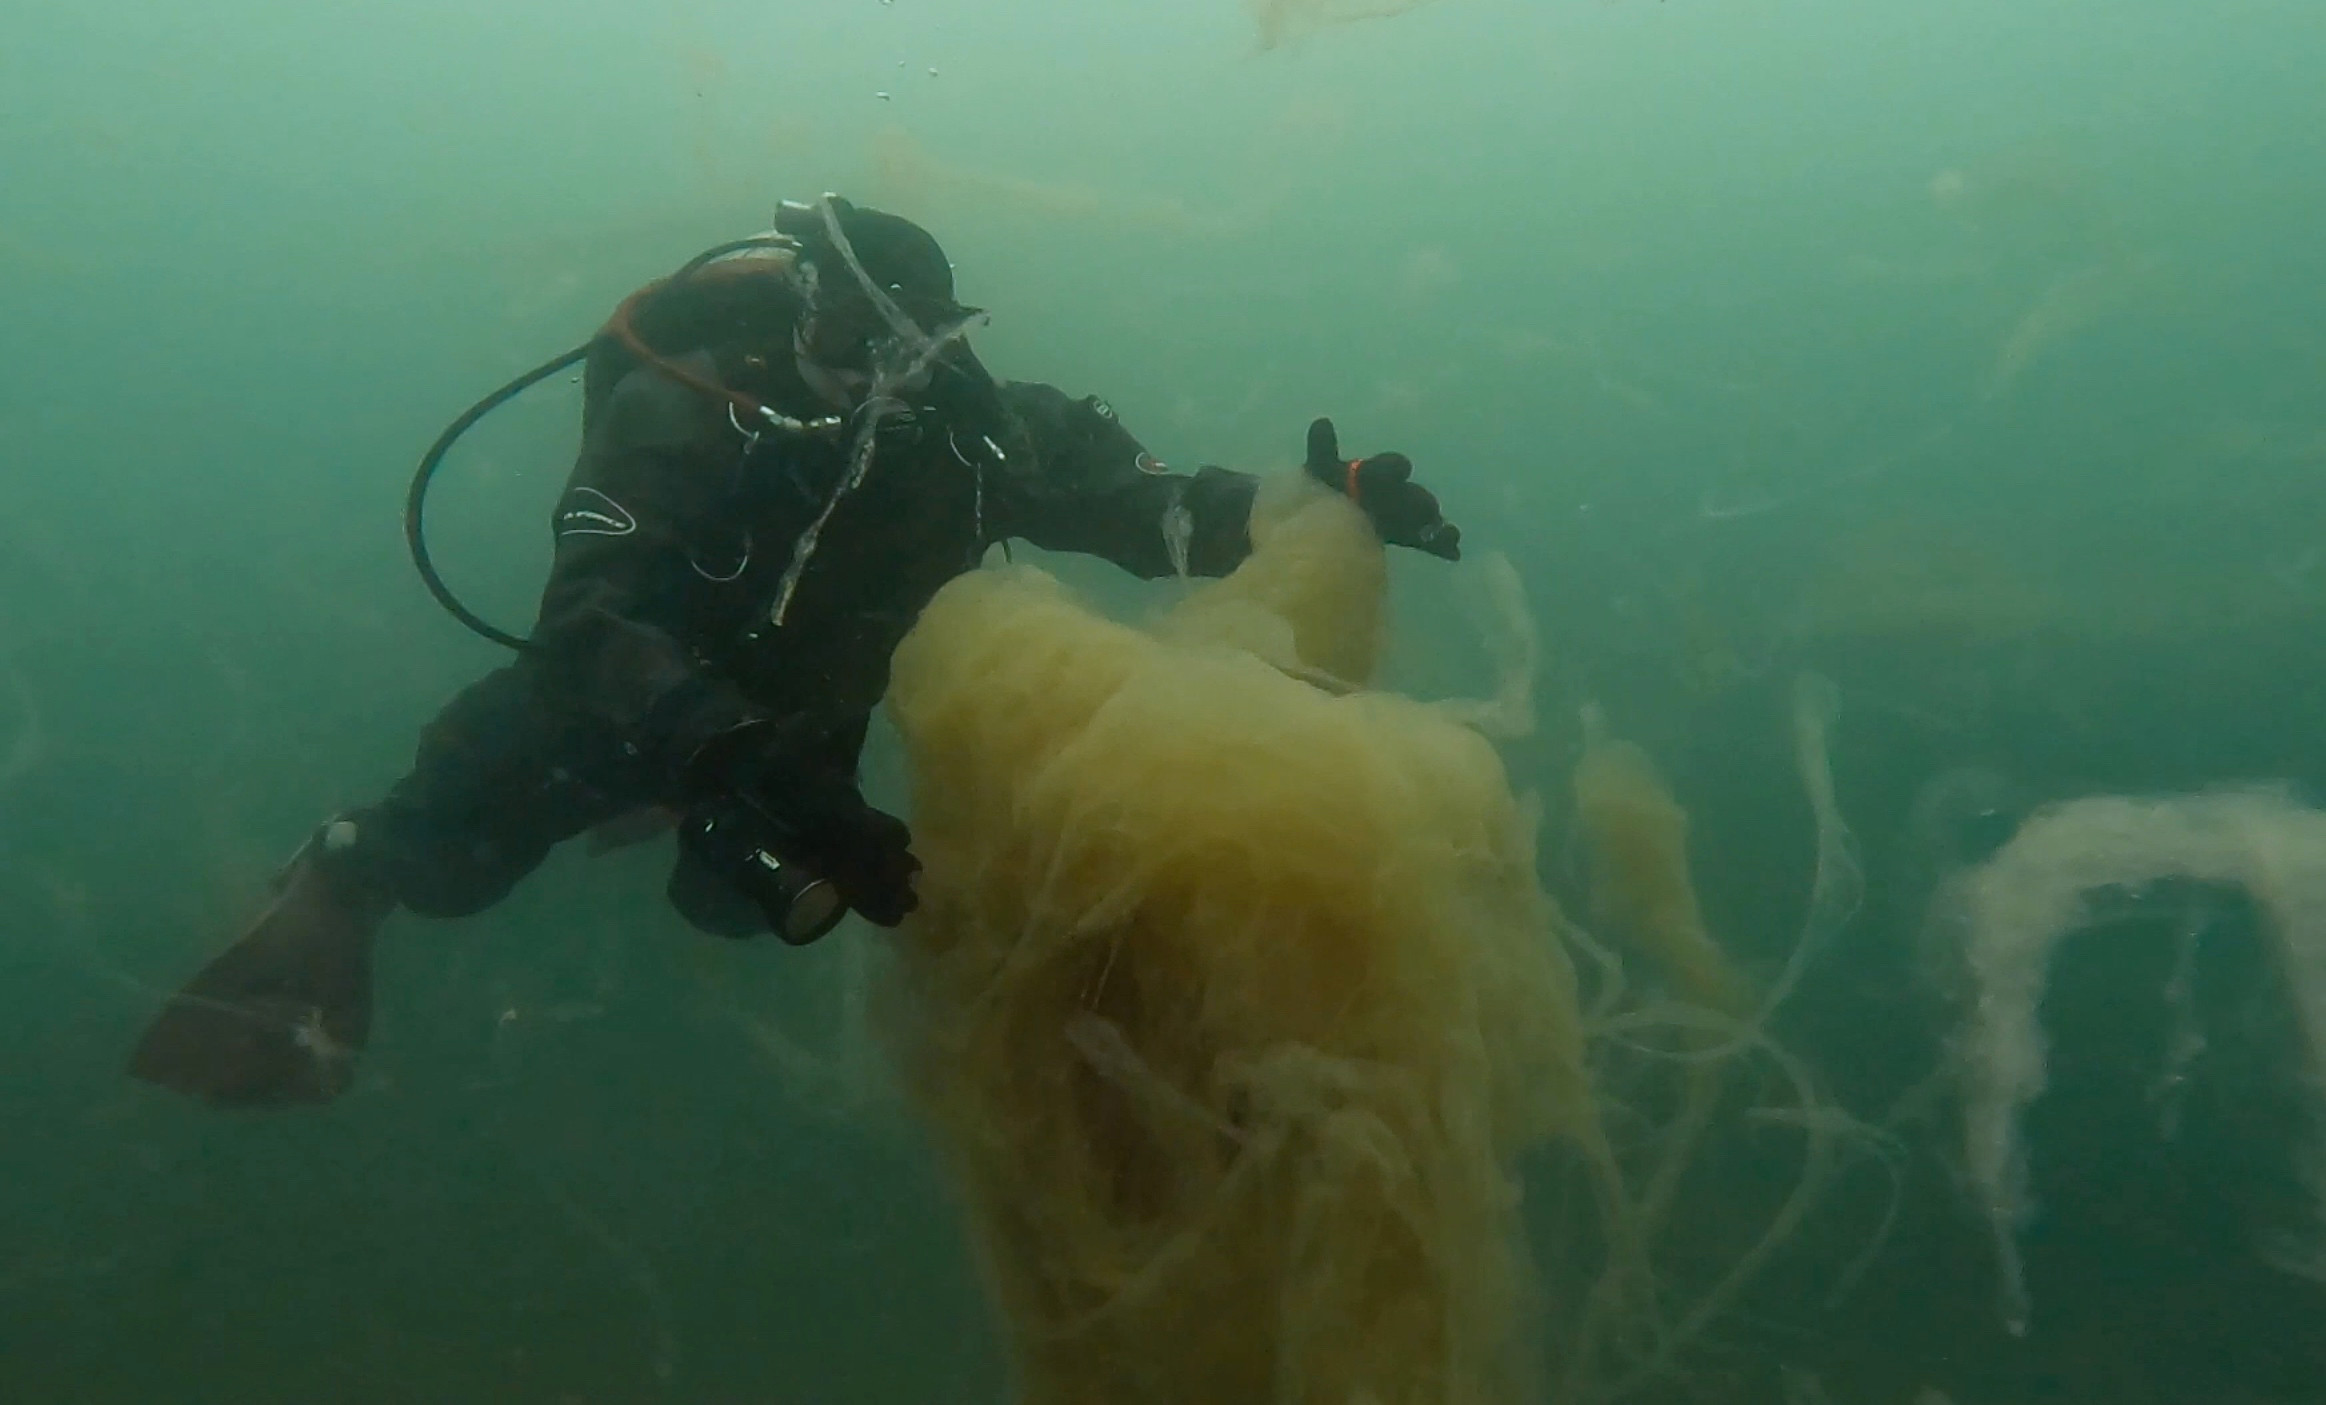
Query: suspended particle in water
(882, 95)
(1282, 21)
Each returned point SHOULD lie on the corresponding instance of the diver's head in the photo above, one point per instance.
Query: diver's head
(879, 290)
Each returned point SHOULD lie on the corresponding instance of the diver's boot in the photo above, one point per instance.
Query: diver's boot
(277, 1018)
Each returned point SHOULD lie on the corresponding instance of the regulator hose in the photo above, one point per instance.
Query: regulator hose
(423, 477)
(416, 501)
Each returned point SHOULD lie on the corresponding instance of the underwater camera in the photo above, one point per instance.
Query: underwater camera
(738, 848)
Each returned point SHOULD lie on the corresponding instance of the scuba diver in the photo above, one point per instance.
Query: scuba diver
(787, 448)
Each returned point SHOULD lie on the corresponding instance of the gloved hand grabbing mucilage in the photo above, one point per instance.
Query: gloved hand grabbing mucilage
(864, 853)
(770, 807)
(867, 853)
(1403, 512)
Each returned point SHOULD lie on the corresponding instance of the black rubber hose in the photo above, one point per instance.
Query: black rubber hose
(416, 501)
(732, 246)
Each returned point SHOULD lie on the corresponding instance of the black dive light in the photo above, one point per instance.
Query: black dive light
(735, 839)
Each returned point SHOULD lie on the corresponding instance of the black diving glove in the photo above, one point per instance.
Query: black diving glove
(1403, 512)
(775, 820)
(867, 854)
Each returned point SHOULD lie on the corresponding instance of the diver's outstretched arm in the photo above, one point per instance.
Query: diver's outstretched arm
(1095, 489)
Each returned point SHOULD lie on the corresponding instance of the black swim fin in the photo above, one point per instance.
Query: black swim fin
(277, 1019)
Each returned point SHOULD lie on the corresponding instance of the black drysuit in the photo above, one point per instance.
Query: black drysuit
(674, 535)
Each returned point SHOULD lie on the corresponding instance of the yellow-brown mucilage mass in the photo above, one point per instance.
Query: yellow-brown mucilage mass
(1234, 998)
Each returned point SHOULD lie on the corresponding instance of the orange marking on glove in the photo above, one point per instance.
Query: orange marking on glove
(1354, 465)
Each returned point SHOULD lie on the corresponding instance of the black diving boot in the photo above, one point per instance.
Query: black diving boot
(277, 1019)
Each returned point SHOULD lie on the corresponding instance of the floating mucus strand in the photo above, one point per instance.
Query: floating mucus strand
(2013, 911)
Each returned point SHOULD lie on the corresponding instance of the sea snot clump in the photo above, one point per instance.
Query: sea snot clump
(1234, 999)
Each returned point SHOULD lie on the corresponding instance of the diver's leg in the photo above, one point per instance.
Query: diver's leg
(500, 779)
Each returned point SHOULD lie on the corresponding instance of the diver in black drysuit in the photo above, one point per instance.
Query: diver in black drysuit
(785, 454)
